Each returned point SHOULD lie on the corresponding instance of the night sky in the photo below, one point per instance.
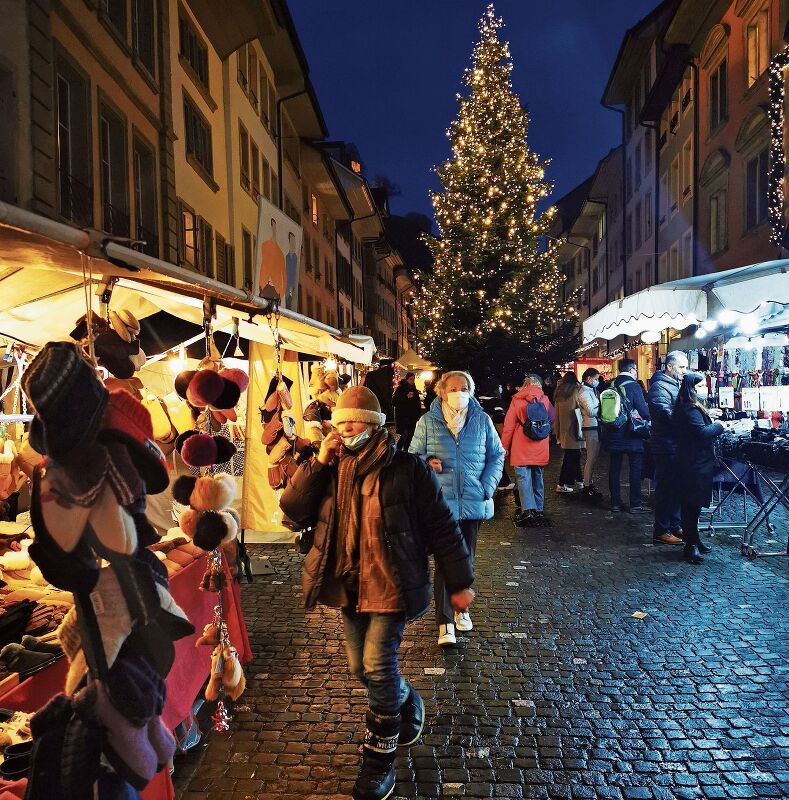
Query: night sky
(386, 75)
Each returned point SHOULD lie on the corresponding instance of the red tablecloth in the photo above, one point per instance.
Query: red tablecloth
(188, 674)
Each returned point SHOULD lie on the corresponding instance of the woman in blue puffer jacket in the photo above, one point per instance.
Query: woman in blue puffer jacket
(459, 441)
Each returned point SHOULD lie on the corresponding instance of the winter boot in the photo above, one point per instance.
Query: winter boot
(412, 714)
(376, 779)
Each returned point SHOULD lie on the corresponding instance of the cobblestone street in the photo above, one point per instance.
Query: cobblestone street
(558, 692)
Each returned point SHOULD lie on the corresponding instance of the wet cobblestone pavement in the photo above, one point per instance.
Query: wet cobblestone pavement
(559, 692)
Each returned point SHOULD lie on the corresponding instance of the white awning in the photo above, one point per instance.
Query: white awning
(757, 288)
(653, 309)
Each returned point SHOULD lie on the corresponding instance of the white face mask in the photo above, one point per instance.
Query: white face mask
(357, 441)
(594, 384)
(458, 400)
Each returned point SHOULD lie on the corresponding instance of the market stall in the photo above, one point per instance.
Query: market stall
(219, 481)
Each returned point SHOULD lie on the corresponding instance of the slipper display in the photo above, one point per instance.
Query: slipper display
(16, 658)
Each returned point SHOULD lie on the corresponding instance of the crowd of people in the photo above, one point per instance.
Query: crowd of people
(399, 476)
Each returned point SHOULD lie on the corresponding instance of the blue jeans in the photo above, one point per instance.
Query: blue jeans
(667, 505)
(531, 487)
(371, 643)
(634, 464)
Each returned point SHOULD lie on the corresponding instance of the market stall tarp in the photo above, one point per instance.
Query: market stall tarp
(260, 512)
(652, 309)
(762, 287)
(413, 361)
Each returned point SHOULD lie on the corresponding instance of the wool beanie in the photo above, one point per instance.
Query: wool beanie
(68, 398)
(358, 404)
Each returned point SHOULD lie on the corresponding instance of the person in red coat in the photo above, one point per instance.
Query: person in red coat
(528, 456)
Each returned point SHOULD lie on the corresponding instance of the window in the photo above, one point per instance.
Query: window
(243, 67)
(114, 173)
(756, 177)
(263, 97)
(628, 228)
(674, 187)
(307, 253)
(718, 228)
(648, 215)
(318, 311)
(673, 262)
(188, 237)
(687, 92)
(663, 267)
(638, 165)
(638, 280)
(145, 196)
(198, 137)
(314, 210)
(309, 307)
(142, 33)
(686, 262)
(664, 198)
(221, 260)
(247, 254)
(595, 279)
(255, 171)
(272, 105)
(266, 177)
(316, 259)
(595, 244)
(629, 177)
(253, 77)
(637, 222)
(674, 122)
(647, 151)
(687, 168)
(757, 37)
(205, 234)
(601, 227)
(243, 149)
(115, 12)
(719, 102)
(274, 188)
(75, 194)
(192, 48)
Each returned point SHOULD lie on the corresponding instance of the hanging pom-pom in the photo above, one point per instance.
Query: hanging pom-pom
(221, 718)
(182, 489)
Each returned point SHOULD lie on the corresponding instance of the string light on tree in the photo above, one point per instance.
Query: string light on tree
(494, 288)
(778, 227)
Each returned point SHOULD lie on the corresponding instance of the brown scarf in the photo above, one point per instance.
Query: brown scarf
(376, 454)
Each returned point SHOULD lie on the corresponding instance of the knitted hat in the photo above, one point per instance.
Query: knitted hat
(68, 397)
(358, 404)
(127, 420)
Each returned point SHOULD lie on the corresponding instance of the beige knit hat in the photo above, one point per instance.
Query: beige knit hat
(358, 404)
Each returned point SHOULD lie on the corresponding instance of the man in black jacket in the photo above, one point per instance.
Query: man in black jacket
(663, 392)
(381, 383)
(377, 513)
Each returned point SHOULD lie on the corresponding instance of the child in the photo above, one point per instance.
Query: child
(377, 514)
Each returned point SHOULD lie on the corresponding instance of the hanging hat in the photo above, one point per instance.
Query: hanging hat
(114, 354)
(128, 421)
(68, 398)
(125, 324)
(358, 404)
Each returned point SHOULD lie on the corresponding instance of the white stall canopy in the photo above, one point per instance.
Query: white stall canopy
(760, 289)
(43, 294)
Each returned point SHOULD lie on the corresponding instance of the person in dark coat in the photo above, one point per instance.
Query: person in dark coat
(663, 393)
(696, 462)
(377, 513)
(621, 441)
(381, 383)
(430, 392)
(407, 409)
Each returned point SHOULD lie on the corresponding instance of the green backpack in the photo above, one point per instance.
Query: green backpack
(613, 411)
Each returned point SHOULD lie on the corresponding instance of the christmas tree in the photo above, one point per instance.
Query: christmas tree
(492, 303)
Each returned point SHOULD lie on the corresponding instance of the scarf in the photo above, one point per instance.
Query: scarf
(455, 419)
(353, 467)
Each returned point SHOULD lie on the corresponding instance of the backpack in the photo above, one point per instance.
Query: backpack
(613, 408)
(537, 424)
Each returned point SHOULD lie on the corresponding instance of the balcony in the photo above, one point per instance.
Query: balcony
(115, 221)
(76, 200)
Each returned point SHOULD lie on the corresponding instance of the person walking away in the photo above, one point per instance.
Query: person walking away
(430, 393)
(696, 462)
(493, 405)
(376, 513)
(623, 441)
(663, 393)
(527, 428)
(568, 433)
(458, 440)
(589, 403)
(381, 383)
(407, 409)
